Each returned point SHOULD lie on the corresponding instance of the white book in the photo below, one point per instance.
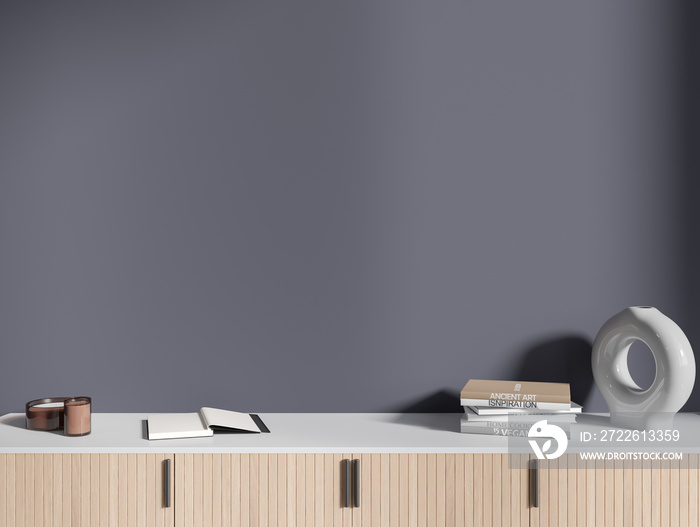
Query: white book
(504, 429)
(522, 405)
(490, 410)
(471, 416)
(202, 423)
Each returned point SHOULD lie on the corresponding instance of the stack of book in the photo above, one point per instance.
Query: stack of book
(510, 408)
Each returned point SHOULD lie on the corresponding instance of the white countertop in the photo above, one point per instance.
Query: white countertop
(301, 433)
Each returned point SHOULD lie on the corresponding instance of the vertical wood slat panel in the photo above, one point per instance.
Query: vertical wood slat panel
(590, 493)
(271, 490)
(460, 488)
(179, 473)
(320, 488)
(581, 492)
(377, 489)
(10, 491)
(366, 503)
(683, 496)
(134, 490)
(628, 504)
(553, 476)
(113, 493)
(619, 493)
(142, 484)
(18, 487)
(226, 490)
(84, 486)
(449, 490)
(571, 494)
(431, 490)
(394, 490)
(218, 488)
(310, 488)
(301, 490)
(122, 491)
(562, 473)
(235, 490)
(253, 509)
(636, 520)
(66, 478)
(469, 490)
(599, 492)
(422, 490)
(207, 500)
(330, 500)
(150, 490)
(29, 491)
(487, 494)
(649, 490)
(245, 490)
(693, 497)
(385, 489)
(664, 491)
(478, 493)
(5, 484)
(495, 486)
(516, 463)
(48, 490)
(282, 490)
(440, 489)
(674, 495)
(403, 477)
(38, 481)
(291, 489)
(504, 492)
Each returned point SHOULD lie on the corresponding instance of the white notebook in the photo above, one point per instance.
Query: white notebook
(202, 424)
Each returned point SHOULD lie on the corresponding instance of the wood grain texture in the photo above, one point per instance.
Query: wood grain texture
(224, 490)
(693, 496)
(478, 492)
(74, 490)
(422, 490)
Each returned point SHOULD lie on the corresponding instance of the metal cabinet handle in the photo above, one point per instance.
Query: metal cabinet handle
(356, 466)
(167, 483)
(347, 483)
(535, 488)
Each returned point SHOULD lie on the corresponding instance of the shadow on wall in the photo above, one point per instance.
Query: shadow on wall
(440, 402)
(565, 359)
(689, 220)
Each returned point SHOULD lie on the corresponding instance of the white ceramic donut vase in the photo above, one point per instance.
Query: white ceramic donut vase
(630, 406)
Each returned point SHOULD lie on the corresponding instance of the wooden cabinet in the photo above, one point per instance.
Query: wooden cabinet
(439, 478)
(83, 490)
(576, 492)
(309, 490)
(226, 490)
(442, 489)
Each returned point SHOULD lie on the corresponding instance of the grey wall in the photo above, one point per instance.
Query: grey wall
(330, 206)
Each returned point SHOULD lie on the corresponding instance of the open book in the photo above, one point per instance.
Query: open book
(202, 424)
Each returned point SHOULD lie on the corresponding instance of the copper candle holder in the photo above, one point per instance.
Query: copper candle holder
(78, 411)
(45, 414)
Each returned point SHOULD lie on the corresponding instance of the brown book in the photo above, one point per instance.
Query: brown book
(517, 391)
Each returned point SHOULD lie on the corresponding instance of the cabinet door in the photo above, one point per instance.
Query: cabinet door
(614, 493)
(83, 490)
(247, 490)
(442, 490)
